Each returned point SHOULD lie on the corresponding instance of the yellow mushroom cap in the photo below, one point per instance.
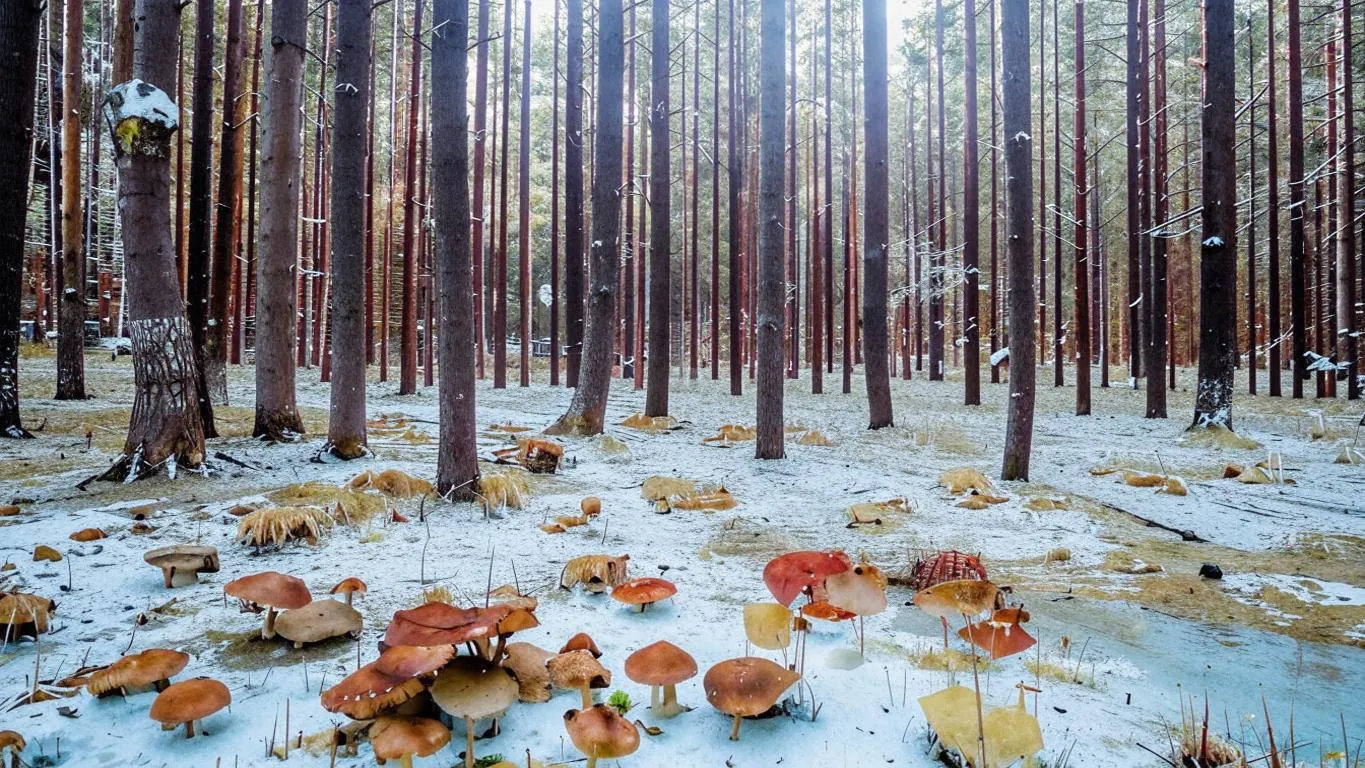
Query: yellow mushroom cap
(961, 597)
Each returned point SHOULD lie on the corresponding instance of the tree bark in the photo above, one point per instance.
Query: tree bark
(526, 308)
(499, 296)
(199, 240)
(588, 407)
(736, 182)
(555, 285)
(1014, 35)
(573, 194)
(1218, 251)
(771, 283)
(478, 211)
(124, 31)
(457, 467)
(1158, 331)
(660, 233)
(1082, 271)
(1298, 279)
(1273, 205)
(19, 23)
(1346, 343)
(71, 312)
(971, 218)
(277, 415)
(346, 426)
(227, 225)
(877, 231)
(940, 244)
(1134, 226)
(407, 368)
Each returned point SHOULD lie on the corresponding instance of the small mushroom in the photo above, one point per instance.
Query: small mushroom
(181, 564)
(643, 592)
(190, 700)
(473, 690)
(591, 506)
(526, 663)
(662, 665)
(403, 738)
(12, 742)
(601, 733)
(88, 534)
(578, 669)
(317, 621)
(746, 687)
(960, 597)
(271, 590)
(349, 587)
(153, 667)
(768, 625)
(582, 642)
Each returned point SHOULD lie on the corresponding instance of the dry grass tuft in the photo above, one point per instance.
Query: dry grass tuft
(279, 525)
(503, 488)
(351, 506)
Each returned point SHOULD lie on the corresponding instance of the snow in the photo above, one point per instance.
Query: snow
(868, 714)
(1000, 355)
(1213, 242)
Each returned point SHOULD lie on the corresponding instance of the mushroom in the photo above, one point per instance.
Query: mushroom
(403, 738)
(1000, 635)
(662, 664)
(22, 614)
(189, 700)
(768, 625)
(443, 624)
(181, 564)
(12, 742)
(526, 663)
(643, 592)
(823, 610)
(591, 506)
(153, 667)
(473, 689)
(368, 691)
(88, 534)
(317, 621)
(404, 661)
(959, 597)
(578, 669)
(600, 732)
(582, 642)
(272, 590)
(349, 587)
(797, 573)
(519, 620)
(43, 552)
(746, 686)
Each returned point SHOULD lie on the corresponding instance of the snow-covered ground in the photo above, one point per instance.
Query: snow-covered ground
(1287, 621)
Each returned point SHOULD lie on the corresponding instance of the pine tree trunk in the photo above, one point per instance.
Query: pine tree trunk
(736, 183)
(573, 194)
(407, 369)
(877, 230)
(71, 314)
(997, 285)
(499, 296)
(771, 282)
(1273, 205)
(660, 234)
(198, 276)
(1346, 343)
(277, 415)
(1158, 341)
(588, 408)
(937, 261)
(524, 204)
(1014, 35)
(1218, 252)
(457, 467)
(971, 218)
(555, 286)
(694, 278)
(479, 212)
(1134, 226)
(226, 227)
(19, 21)
(1081, 277)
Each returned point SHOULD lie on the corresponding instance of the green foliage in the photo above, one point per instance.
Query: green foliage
(620, 701)
(487, 760)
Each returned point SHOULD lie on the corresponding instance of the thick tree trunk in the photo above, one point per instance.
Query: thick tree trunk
(1158, 341)
(407, 368)
(1218, 252)
(1082, 271)
(198, 276)
(124, 30)
(588, 408)
(792, 289)
(771, 283)
(1014, 35)
(1273, 205)
(346, 425)
(457, 466)
(660, 234)
(573, 195)
(71, 314)
(526, 308)
(277, 415)
(971, 219)
(1346, 344)
(226, 227)
(19, 21)
(1298, 278)
(876, 223)
(736, 182)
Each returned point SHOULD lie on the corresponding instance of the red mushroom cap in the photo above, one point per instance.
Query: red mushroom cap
(789, 575)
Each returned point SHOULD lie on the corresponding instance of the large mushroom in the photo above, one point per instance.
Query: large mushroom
(796, 573)
(181, 564)
(601, 733)
(526, 663)
(443, 624)
(662, 665)
(474, 690)
(403, 738)
(578, 669)
(269, 591)
(405, 661)
(350, 587)
(152, 668)
(959, 598)
(12, 742)
(746, 687)
(184, 702)
(368, 692)
(317, 621)
(644, 592)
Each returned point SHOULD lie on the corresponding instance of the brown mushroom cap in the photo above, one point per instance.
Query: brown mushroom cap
(88, 534)
(146, 668)
(442, 624)
(395, 738)
(43, 552)
(11, 740)
(644, 591)
(269, 588)
(600, 732)
(661, 663)
(576, 669)
(319, 620)
(190, 700)
(961, 597)
(747, 686)
(348, 586)
(582, 642)
(474, 689)
(526, 663)
(22, 614)
(413, 660)
(520, 619)
(368, 691)
(181, 562)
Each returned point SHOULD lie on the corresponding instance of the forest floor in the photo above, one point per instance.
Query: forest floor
(1130, 636)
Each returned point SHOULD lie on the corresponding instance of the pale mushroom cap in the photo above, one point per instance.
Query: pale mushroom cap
(319, 620)
(582, 642)
(526, 663)
(138, 669)
(644, 591)
(576, 669)
(472, 688)
(661, 663)
(348, 586)
(768, 625)
(747, 686)
(413, 660)
(861, 589)
(367, 692)
(394, 738)
(184, 556)
(190, 700)
(601, 732)
(962, 597)
(276, 590)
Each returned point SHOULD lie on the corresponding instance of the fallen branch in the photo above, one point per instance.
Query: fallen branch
(1185, 535)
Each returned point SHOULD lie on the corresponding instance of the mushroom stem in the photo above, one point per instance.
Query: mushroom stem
(734, 732)
(976, 683)
(653, 697)
(189, 729)
(168, 573)
(348, 604)
(468, 743)
(587, 696)
(405, 761)
(670, 707)
(498, 650)
(643, 606)
(268, 631)
(592, 762)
